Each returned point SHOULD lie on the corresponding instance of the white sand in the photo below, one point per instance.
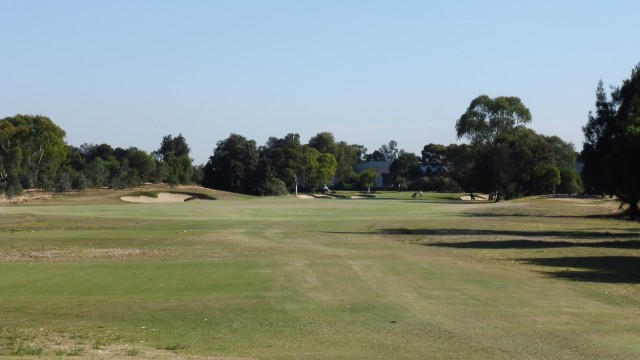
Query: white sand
(162, 198)
(468, 197)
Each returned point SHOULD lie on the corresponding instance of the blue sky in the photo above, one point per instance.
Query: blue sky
(129, 72)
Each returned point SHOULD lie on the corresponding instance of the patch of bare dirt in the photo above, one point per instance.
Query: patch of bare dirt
(115, 254)
(26, 196)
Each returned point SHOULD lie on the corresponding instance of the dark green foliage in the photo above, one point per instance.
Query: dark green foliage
(437, 183)
(389, 152)
(173, 156)
(174, 146)
(346, 157)
(406, 165)
(324, 142)
(599, 133)
(96, 173)
(32, 150)
(79, 181)
(519, 163)
(367, 179)
(232, 165)
(376, 156)
(284, 157)
(487, 118)
(63, 182)
(611, 152)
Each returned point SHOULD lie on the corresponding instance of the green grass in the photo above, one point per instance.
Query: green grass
(286, 278)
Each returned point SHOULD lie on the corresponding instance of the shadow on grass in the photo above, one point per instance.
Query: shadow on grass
(537, 244)
(604, 269)
(514, 233)
(614, 216)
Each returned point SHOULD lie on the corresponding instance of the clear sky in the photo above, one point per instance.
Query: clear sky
(129, 72)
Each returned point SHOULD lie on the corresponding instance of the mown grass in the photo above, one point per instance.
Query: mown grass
(286, 278)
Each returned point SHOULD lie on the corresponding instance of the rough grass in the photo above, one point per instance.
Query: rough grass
(287, 278)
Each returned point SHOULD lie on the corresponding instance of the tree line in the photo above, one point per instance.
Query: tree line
(502, 156)
(34, 154)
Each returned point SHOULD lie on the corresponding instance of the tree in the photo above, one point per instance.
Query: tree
(406, 165)
(519, 163)
(564, 158)
(367, 178)
(611, 151)
(362, 153)
(42, 152)
(174, 153)
(487, 118)
(142, 163)
(324, 142)
(308, 167)
(283, 157)
(317, 169)
(91, 151)
(390, 152)
(376, 155)
(96, 173)
(232, 166)
(600, 132)
(326, 168)
(174, 146)
(434, 154)
(622, 169)
(346, 157)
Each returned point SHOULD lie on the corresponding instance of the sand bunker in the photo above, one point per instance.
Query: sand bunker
(478, 197)
(304, 196)
(162, 198)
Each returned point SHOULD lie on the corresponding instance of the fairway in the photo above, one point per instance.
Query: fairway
(388, 277)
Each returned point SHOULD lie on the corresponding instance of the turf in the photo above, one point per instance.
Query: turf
(288, 278)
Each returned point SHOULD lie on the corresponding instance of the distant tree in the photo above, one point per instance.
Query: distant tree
(390, 152)
(233, 165)
(520, 163)
(324, 142)
(376, 156)
(174, 146)
(317, 169)
(91, 151)
(406, 165)
(141, 162)
(76, 160)
(362, 153)
(326, 169)
(32, 151)
(308, 167)
(367, 178)
(564, 158)
(283, 156)
(402, 182)
(96, 173)
(265, 181)
(346, 157)
(435, 154)
(178, 166)
(487, 118)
